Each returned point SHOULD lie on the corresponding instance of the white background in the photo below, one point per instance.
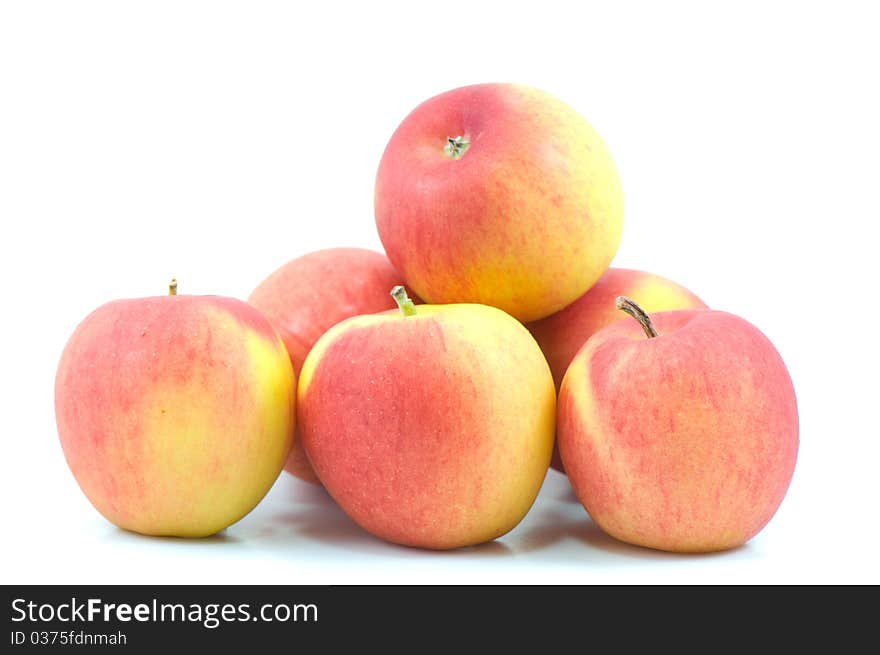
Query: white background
(214, 141)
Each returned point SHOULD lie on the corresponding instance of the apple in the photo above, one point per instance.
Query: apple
(175, 413)
(683, 438)
(295, 300)
(562, 334)
(432, 426)
(498, 194)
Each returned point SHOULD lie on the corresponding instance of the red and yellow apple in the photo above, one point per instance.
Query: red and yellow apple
(562, 334)
(175, 413)
(310, 294)
(431, 426)
(498, 194)
(679, 434)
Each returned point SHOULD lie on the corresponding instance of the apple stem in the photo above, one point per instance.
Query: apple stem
(630, 306)
(456, 146)
(172, 287)
(403, 301)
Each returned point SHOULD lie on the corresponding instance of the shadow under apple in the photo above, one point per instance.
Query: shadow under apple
(554, 528)
(322, 520)
(220, 538)
(301, 512)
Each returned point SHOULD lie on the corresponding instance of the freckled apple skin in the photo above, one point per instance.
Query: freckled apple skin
(310, 294)
(684, 442)
(175, 413)
(433, 430)
(561, 335)
(526, 219)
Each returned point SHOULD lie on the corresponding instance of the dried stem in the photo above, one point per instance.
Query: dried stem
(630, 306)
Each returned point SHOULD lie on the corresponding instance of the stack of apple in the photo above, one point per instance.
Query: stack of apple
(433, 423)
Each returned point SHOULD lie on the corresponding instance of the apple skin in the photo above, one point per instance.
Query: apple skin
(295, 300)
(433, 430)
(526, 220)
(683, 442)
(562, 334)
(175, 413)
